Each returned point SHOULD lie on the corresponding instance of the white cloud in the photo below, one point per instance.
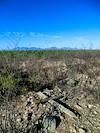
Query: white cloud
(79, 38)
(32, 34)
(40, 34)
(55, 36)
(83, 42)
(37, 34)
(48, 40)
(43, 35)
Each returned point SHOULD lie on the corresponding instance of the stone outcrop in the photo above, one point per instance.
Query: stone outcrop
(30, 110)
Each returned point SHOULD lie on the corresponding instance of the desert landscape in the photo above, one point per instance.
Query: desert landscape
(49, 91)
(49, 66)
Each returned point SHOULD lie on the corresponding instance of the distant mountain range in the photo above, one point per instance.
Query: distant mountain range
(36, 48)
(27, 48)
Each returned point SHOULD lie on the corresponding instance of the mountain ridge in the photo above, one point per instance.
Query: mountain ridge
(50, 48)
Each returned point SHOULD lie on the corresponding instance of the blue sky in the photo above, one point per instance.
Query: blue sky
(48, 23)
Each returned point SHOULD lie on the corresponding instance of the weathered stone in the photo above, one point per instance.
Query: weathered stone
(49, 124)
(72, 129)
(81, 130)
(90, 106)
(26, 112)
(61, 107)
(72, 82)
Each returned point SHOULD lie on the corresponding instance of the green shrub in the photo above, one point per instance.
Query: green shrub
(8, 82)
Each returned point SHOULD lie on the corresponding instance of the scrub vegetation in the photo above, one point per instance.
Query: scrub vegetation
(75, 72)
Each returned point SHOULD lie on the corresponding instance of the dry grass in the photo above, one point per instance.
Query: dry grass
(21, 72)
